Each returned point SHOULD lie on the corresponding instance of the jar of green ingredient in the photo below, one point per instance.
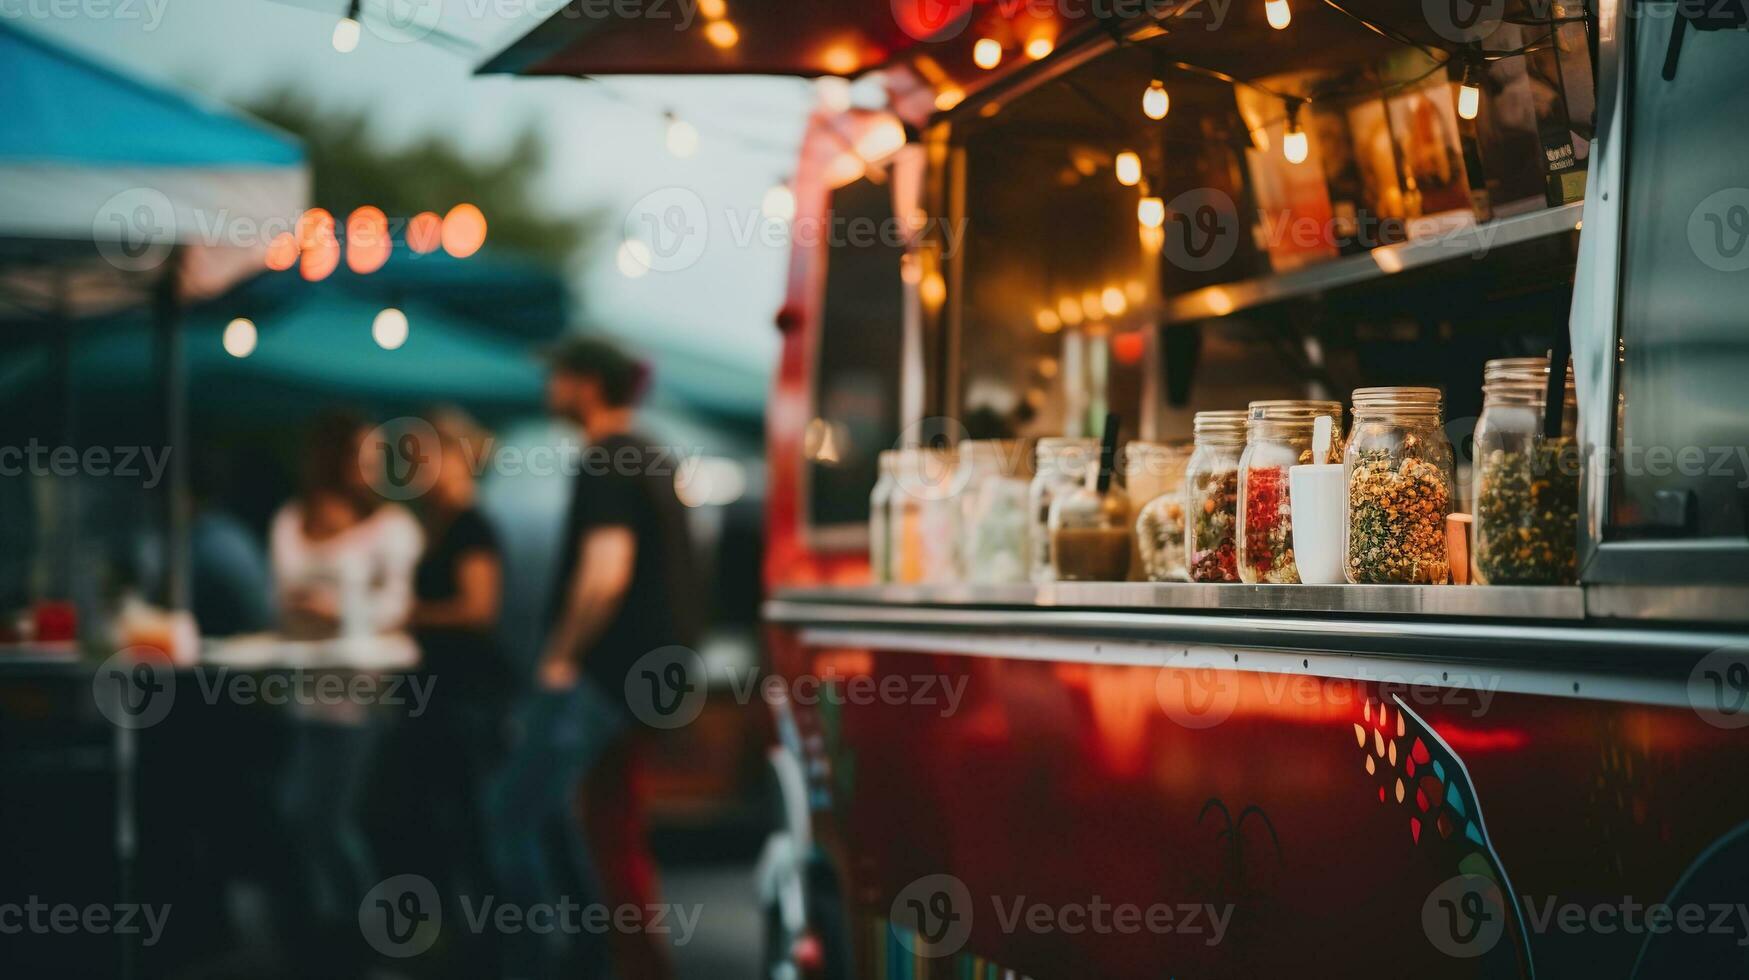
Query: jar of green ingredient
(1527, 482)
(1399, 469)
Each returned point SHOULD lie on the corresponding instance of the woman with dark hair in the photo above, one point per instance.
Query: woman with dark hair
(343, 561)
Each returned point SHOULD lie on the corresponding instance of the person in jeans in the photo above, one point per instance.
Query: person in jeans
(622, 591)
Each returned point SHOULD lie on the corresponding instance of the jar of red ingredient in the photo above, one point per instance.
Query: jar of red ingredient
(1211, 497)
(1278, 435)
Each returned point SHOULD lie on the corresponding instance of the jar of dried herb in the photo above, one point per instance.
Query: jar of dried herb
(1278, 435)
(1211, 497)
(1155, 475)
(1399, 469)
(1527, 480)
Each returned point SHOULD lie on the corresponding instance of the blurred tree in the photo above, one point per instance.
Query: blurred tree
(350, 168)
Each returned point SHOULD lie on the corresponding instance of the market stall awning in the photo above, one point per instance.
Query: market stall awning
(102, 174)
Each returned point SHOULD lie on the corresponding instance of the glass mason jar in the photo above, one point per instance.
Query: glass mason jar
(1399, 469)
(1527, 484)
(939, 518)
(1278, 434)
(905, 518)
(1090, 534)
(1062, 465)
(1155, 477)
(880, 526)
(993, 511)
(1211, 497)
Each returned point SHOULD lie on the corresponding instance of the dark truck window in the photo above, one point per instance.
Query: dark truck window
(856, 375)
(1681, 462)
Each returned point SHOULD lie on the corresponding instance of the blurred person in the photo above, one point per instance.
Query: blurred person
(343, 560)
(439, 760)
(232, 587)
(620, 592)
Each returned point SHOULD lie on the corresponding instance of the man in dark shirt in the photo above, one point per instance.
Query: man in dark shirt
(622, 591)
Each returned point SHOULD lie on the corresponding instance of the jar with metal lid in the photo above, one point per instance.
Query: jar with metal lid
(993, 510)
(880, 525)
(1527, 481)
(1278, 435)
(1155, 476)
(1399, 470)
(1211, 497)
(1062, 465)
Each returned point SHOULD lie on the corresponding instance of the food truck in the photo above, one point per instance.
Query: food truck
(1451, 684)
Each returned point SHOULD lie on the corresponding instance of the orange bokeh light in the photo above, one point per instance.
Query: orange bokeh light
(320, 247)
(1128, 348)
(282, 252)
(464, 230)
(367, 240)
(425, 233)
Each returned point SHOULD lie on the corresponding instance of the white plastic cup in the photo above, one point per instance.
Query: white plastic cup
(1319, 495)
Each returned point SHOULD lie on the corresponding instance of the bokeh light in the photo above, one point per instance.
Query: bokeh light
(389, 329)
(367, 240)
(464, 230)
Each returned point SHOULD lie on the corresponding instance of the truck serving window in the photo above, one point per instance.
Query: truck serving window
(1681, 461)
(856, 373)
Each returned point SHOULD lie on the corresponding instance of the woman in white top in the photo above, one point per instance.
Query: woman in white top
(343, 561)
(343, 557)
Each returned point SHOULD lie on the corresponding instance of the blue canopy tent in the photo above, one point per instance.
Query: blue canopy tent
(115, 194)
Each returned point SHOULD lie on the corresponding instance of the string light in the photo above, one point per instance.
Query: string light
(987, 53)
(779, 203)
(1039, 48)
(1048, 321)
(1114, 301)
(1295, 145)
(1278, 14)
(682, 138)
(346, 35)
(1155, 101)
(722, 34)
(389, 329)
(1069, 311)
(1469, 100)
(239, 338)
(1151, 212)
(949, 97)
(1129, 168)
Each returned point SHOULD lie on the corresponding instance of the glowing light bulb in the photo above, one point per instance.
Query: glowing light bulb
(389, 329)
(1469, 101)
(1069, 309)
(1151, 212)
(1155, 102)
(949, 97)
(987, 53)
(1048, 321)
(239, 337)
(779, 203)
(1040, 47)
(1129, 169)
(1295, 146)
(722, 34)
(1114, 301)
(346, 35)
(1278, 14)
(682, 139)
